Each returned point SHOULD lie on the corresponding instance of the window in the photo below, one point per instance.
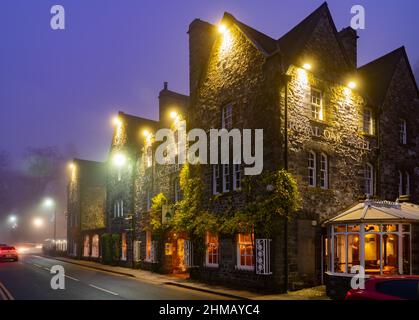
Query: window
(226, 178)
(404, 289)
(316, 104)
(95, 246)
(368, 122)
(236, 177)
(212, 250)
(311, 169)
(216, 179)
(245, 252)
(403, 132)
(177, 190)
(369, 179)
(118, 209)
(86, 246)
(404, 184)
(148, 246)
(324, 172)
(124, 247)
(227, 117)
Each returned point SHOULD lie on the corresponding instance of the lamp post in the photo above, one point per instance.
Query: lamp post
(50, 203)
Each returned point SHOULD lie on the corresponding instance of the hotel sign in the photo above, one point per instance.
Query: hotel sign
(327, 134)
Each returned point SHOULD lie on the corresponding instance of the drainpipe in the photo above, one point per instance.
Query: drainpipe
(286, 79)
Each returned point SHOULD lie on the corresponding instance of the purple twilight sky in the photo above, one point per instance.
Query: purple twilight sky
(62, 87)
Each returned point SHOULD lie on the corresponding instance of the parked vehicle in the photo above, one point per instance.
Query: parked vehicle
(387, 288)
(8, 253)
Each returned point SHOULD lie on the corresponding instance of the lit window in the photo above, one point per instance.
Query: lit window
(148, 246)
(316, 104)
(216, 179)
(245, 259)
(124, 247)
(311, 169)
(368, 122)
(86, 246)
(403, 132)
(95, 246)
(227, 117)
(369, 179)
(324, 172)
(226, 178)
(212, 250)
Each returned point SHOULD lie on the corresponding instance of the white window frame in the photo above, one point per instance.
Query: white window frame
(226, 177)
(86, 247)
(324, 171)
(239, 245)
(237, 177)
(403, 132)
(227, 117)
(207, 254)
(369, 179)
(368, 122)
(216, 179)
(312, 173)
(316, 102)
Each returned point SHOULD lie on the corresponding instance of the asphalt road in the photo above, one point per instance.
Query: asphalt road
(30, 278)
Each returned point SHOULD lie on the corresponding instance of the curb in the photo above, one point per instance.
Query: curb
(185, 286)
(94, 267)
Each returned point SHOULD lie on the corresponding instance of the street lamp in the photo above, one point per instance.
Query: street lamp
(38, 222)
(13, 221)
(50, 203)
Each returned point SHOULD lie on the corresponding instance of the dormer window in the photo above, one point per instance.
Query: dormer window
(316, 104)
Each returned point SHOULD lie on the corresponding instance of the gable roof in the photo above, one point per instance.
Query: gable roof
(263, 42)
(376, 75)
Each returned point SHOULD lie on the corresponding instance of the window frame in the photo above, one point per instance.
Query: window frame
(215, 247)
(317, 109)
(227, 117)
(370, 179)
(246, 244)
(403, 132)
(324, 172)
(369, 121)
(226, 177)
(216, 184)
(237, 177)
(312, 171)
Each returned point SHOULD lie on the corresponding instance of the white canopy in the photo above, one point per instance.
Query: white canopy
(378, 211)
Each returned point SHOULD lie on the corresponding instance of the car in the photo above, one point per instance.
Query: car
(8, 253)
(387, 288)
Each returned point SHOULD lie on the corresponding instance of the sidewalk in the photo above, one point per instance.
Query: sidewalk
(316, 293)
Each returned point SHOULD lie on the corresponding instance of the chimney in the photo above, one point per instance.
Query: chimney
(165, 85)
(349, 39)
(202, 36)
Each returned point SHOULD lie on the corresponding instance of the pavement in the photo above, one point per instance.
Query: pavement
(30, 279)
(315, 293)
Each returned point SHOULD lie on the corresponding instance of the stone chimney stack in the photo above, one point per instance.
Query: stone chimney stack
(349, 39)
(201, 39)
(165, 84)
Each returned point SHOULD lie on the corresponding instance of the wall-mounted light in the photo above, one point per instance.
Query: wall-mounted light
(307, 66)
(116, 121)
(146, 133)
(173, 115)
(119, 159)
(71, 166)
(222, 28)
(352, 84)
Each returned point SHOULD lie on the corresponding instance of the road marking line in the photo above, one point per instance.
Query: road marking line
(37, 265)
(99, 288)
(72, 278)
(6, 292)
(45, 268)
(2, 295)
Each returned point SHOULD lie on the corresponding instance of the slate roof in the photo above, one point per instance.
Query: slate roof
(376, 75)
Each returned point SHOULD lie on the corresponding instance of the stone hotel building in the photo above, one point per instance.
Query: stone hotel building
(348, 135)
